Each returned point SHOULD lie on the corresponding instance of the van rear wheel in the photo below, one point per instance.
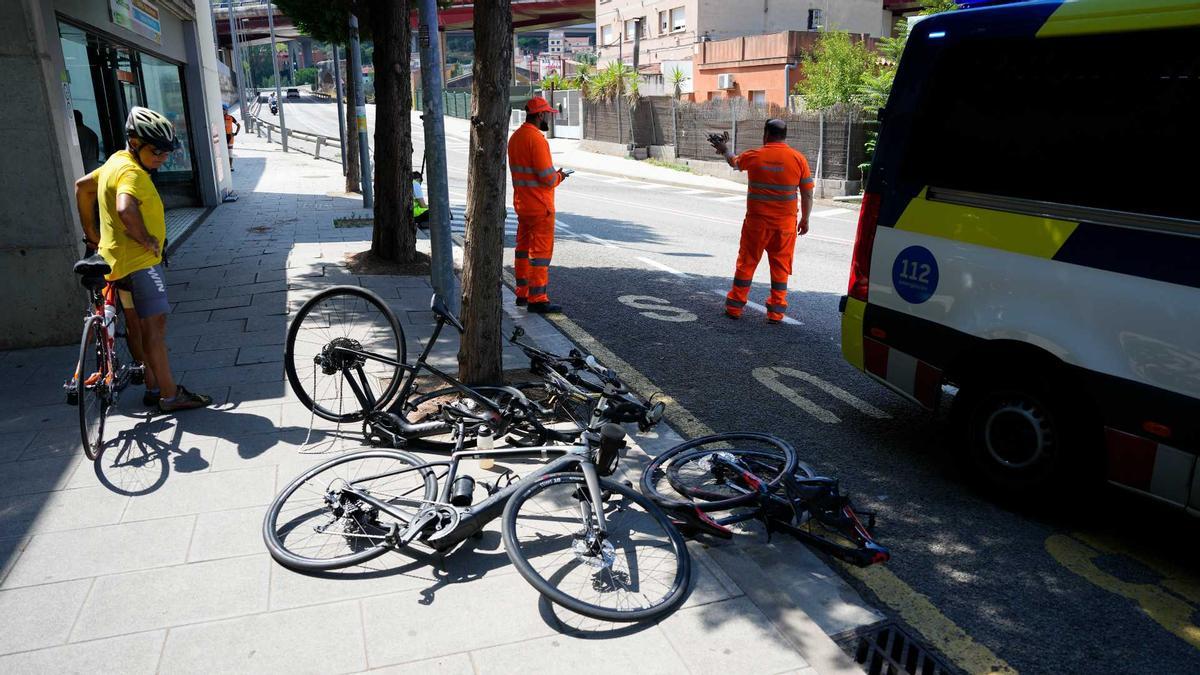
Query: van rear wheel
(1021, 433)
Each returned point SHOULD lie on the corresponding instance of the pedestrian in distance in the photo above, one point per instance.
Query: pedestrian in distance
(534, 180)
(776, 172)
(129, 236)
(232, 128)
(420, 208)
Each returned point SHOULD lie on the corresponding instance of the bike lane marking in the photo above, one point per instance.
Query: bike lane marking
(655, 263)
(770, 376)
(661, 310)
(1171, 603)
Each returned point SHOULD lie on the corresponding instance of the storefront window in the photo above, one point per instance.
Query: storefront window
(164, 93)
(81, 92)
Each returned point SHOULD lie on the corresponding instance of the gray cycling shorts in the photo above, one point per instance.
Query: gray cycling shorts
(145, 291)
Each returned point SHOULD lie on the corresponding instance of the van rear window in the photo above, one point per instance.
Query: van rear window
(1104, 121)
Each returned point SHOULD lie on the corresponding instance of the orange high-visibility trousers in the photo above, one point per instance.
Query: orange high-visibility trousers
(778, 243)
(535, 247)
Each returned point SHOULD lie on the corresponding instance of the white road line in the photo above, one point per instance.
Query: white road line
(831, 240)
(762, 310)
(831, 389)
(692, 192)
(831, 212)
(730, 199)
(770, 379)
(600, 241)
(655, 263)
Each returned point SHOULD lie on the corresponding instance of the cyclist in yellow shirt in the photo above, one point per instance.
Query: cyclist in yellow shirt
(129, 236)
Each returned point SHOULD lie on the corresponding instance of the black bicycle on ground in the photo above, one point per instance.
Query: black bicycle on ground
(710, 483)
(585, 542)
(346, 360)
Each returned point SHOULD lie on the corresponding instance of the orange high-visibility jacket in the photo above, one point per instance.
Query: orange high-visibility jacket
(775, 171)
(533, 175)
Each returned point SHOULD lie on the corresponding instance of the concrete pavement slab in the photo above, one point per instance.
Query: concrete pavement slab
(62, 510)
(642, 649)
(318, 640)
(209, 491)
(227, 534)
(174, 596)
(102, 550)
(455, 664)
(726, 637)
(39, 616)
(124, 655)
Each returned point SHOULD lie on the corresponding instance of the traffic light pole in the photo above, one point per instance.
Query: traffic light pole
(275, 65)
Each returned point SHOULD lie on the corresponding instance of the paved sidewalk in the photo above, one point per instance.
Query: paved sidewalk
(151, 559)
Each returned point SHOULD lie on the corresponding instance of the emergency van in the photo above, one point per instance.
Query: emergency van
(1030, 236)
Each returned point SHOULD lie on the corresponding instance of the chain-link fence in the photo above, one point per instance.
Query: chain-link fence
(832, 140)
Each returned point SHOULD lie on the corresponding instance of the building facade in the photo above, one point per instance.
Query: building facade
(671, 30)
(73, 69)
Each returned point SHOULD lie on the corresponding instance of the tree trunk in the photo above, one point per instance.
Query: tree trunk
(479, 355)
(393, 237)
(353, 183)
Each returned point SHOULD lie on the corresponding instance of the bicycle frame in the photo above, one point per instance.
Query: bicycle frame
(469, 520)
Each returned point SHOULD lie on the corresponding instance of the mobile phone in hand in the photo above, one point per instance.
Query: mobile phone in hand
(567, 172)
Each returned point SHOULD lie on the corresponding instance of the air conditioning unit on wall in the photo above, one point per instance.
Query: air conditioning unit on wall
(725, 81)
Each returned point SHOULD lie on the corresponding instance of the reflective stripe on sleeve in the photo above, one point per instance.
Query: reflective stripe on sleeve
(517, 168)
(526, 183)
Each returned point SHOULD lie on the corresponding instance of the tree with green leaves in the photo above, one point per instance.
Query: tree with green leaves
(676, 78)
(834, 70)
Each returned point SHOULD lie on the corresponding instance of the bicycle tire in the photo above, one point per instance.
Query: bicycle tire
(764, 464)
(418, 409)
(93, 400)
(284, 551)
(633, 572)
(298, 382)
(690, 450)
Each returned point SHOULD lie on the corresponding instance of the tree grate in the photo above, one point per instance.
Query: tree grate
(885, 649)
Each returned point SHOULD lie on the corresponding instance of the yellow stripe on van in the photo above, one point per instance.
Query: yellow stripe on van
(852, 332)
(1117, 16)
(1014, 232)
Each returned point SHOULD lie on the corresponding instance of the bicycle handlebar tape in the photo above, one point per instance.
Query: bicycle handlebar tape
(612, 441)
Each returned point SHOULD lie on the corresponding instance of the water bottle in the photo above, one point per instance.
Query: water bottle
(485, 441)
(110, 319)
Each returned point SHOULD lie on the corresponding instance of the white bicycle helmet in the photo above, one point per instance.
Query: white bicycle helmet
(151, 127)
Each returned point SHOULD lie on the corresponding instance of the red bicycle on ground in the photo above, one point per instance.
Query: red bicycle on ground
(105, 365)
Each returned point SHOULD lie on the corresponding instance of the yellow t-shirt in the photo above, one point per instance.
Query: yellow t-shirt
(121, 174)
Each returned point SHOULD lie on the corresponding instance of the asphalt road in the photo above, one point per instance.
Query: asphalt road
(1107, 584)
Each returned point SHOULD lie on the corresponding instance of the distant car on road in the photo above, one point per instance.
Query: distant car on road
(293, 93)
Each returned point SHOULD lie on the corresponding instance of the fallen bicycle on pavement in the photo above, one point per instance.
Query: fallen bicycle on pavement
(710, 483)
(346, 360)
(585, 542)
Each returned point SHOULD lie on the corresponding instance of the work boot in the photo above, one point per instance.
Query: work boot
(521, 302)
(544, 308)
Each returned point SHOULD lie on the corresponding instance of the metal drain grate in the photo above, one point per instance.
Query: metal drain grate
(884, 649)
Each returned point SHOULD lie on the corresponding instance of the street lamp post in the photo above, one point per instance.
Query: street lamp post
(360, 116)
(275, 65)
(441, 247)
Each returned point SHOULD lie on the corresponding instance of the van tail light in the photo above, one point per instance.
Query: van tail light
(864, 241)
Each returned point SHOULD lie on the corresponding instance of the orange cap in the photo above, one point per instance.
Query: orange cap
(537, 104)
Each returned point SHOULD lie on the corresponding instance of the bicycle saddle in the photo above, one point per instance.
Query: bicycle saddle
(92, 266)
(439, 308)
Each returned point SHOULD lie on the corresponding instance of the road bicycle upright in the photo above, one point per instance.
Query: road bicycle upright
(105, 366)
(585, 542)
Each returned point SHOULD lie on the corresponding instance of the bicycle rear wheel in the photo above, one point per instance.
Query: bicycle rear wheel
(686, 476)
(344, 353)
(314, 524)
(93, 387)
(638, 570)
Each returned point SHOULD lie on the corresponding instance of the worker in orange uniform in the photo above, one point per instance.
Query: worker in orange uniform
(776, 172)
(534, 179)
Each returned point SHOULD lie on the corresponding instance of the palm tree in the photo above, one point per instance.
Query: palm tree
(677, 77)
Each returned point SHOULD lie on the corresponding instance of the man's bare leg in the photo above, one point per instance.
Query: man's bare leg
(135, 338)
(154, 344)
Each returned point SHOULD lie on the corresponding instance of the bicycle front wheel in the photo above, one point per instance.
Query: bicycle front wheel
(93, 384)
(636, 569)
(686, 475)
(344, 354)
(316, 523)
